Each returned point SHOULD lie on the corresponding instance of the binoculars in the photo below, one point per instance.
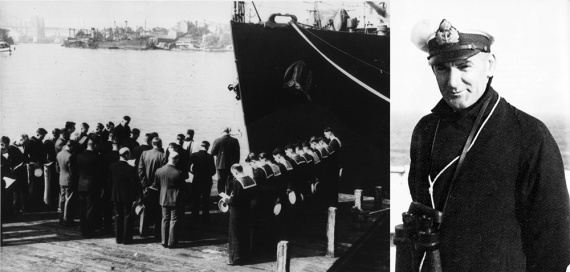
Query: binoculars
(417, 237)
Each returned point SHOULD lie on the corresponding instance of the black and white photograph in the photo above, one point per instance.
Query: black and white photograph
(195, 136)
(480, 136)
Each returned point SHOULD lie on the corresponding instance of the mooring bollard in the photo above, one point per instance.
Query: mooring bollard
(378, 197)
(330, 232)
(283, 256)
(358, 199)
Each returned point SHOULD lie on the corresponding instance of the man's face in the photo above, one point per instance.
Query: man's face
(84, 129)
(327, 135)
(4, 147)
(463, 82)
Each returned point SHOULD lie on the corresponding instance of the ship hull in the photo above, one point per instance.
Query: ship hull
(275, 116)
(126, 44)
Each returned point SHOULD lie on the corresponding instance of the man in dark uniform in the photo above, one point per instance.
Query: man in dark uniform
(17, 171)
(126, 189)
(494, 171)
(203, 167)
(226, 151)
(123, 131)
(35, 157)
(89, 168)
(67, 169)
(242, 193)
(132, 142)
(106, 204)
(170, 182)
(334, 164)
(150, 161)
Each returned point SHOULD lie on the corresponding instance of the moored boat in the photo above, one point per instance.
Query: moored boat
(295, 80)
(5, 48)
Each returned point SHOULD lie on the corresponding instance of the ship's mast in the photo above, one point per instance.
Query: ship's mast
(239, 12)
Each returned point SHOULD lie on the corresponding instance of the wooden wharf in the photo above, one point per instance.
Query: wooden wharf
(36, 242)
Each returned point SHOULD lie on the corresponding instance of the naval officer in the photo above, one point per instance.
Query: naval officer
(494, 171)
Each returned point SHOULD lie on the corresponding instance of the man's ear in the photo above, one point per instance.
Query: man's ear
(491, 63)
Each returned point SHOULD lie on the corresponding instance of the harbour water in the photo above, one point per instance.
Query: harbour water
(45, 85)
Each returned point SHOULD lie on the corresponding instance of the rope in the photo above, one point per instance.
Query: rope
(370, 89)
(363, 62)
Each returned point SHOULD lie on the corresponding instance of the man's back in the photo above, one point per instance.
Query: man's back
(89, 170)
(171, 183)
(150, 162)
(124, 182)
(65, 166)
(203, 165)
(226, 150)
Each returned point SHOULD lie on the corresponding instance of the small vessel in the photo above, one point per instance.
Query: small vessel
(5, 48)
(296, 79)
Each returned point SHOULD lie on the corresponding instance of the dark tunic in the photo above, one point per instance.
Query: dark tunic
(242, 194)
(509, 207)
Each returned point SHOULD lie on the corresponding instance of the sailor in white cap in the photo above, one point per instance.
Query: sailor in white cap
(494, 171)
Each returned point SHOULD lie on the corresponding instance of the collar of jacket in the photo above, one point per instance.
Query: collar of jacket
(442, 109)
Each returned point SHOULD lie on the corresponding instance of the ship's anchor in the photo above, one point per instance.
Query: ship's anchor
(235, 88)
(298, 79)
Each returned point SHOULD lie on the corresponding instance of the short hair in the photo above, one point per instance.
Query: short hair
(190, 132)
(263, 155)
(56, 131)
(227, 130)
(25, 136)
(71, 143)
(237, 167)
(6, 140)
(136, 131)
(41, 131)
(180, 136)
(314, 139)
(85, 125)
(69, 124)
(205, 144)
(278, 151)
(289, 146)
(305, 144)
(251, 157)
(327, 129)
(127, 118)
(110, 124)
(99, 125)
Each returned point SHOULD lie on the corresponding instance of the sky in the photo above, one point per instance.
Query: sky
(532, 41)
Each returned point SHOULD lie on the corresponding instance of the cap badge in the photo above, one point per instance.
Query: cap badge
(446, 33)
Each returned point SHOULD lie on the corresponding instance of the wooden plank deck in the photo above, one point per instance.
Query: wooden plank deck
(36, 242)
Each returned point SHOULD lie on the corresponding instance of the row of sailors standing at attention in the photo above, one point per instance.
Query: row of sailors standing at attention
(293, 181)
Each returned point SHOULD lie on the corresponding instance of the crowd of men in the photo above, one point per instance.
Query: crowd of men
(96, 172)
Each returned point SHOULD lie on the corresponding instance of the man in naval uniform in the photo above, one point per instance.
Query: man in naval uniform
(494, 171)
(242, 193)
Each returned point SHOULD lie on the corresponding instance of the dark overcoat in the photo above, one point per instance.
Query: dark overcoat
(509, 207)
